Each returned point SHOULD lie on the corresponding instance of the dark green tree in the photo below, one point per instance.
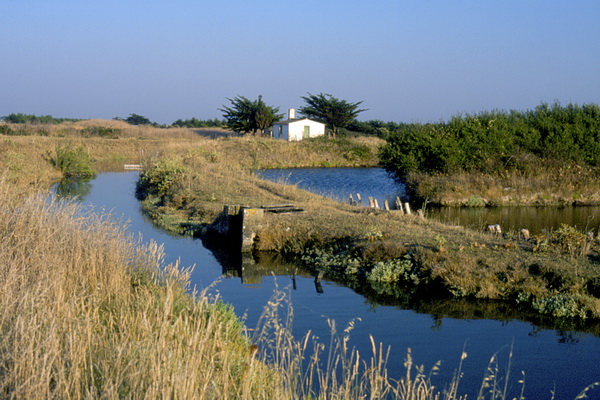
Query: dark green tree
(334, 112)
(249, 116)
(135, 119)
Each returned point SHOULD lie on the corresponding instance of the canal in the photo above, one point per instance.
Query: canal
(559, 361)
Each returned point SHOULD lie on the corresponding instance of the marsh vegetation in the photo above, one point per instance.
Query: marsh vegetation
(105, 317)
(548, 155)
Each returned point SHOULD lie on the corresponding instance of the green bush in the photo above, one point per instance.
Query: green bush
(568, 239)
(394, 271)
(475, 201)
(158, 179)
(73, 161)
(102, 131)
(19, 118)
(559, 306)
(493, 142)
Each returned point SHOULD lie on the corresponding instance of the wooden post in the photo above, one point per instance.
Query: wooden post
(407, 208)
(386, 205)
(399, 204)
(318, 278)
(376, 203)
(371, 203)
(351, 200)
(358, 199)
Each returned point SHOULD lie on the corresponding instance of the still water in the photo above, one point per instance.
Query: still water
(339, 183)
(560, 361)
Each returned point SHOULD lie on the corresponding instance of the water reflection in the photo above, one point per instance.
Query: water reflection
(73, 188)
(535, 219)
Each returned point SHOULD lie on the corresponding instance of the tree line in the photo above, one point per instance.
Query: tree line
(496, 141)
(19, 118)
(243, 115)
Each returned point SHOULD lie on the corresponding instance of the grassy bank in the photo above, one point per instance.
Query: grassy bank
(567, 185)
(87, 313)
(554, 275)
(548, 155)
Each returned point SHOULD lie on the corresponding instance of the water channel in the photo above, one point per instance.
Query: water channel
(339, 183)
(560, 361)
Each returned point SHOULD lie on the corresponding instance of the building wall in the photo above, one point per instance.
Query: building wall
(280, 131)
(296, 129)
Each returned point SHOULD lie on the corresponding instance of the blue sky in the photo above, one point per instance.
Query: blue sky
(409, 61)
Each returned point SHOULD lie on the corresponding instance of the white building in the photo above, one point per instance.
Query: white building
(294, 129)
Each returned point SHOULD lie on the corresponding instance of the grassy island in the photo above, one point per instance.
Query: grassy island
(555, 275)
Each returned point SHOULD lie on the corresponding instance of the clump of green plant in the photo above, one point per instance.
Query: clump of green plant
(395, 271)
(102, 131)
(441, 243)
(374, 235)
(560, 306)
(5, 130)
(73, 161)
(475, 201)
(159, 179)
(357, 153)
(568, 239)
(335, 258)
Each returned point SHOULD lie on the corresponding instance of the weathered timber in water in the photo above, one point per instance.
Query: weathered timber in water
(133, 167)
(242, 222)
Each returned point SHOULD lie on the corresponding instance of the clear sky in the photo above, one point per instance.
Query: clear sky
(409, 61)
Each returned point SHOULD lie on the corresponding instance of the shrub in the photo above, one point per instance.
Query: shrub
(571, 241)
(102, 131)
(158, 179)
(475, 201)
(489, 141)
(395, 271)
(73, 161)
(559, 306)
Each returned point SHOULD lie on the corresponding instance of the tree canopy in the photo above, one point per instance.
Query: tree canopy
(334, 112)
(135, 119)
(249, 116)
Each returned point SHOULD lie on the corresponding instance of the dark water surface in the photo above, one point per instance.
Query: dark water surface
(560, 361)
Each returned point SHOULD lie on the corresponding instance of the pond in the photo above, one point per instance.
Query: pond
(339, 183)
(560, 361)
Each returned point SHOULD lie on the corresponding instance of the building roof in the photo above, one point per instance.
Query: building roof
(289, 121)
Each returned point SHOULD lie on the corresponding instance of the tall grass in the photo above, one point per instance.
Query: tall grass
(86, 312)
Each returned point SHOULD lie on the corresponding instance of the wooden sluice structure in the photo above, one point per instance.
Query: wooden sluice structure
(244, 221)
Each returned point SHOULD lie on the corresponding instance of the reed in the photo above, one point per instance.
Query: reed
(87, 312)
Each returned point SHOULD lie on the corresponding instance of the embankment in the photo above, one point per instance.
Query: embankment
(556, 275)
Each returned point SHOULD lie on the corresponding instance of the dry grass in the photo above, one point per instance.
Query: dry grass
(562, 185)
(87, 313)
